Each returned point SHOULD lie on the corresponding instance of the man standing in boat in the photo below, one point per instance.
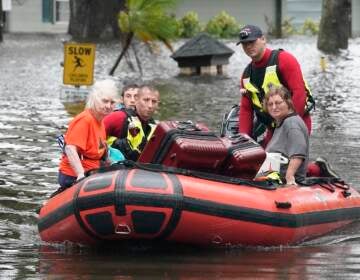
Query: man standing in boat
(129, 130)
(268, 67)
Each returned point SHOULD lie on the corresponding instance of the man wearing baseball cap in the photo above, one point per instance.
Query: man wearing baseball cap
(268, 68)
(249, 33)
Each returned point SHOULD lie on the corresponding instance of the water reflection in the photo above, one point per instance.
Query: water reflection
(74, 108)
(329, 262)
(32, 113)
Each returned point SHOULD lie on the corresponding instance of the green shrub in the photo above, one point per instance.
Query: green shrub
(310, 27)
(287, 27)
(223, 25)
(188, 25)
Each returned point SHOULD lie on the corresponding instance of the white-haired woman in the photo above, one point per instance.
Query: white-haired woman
(85, 139)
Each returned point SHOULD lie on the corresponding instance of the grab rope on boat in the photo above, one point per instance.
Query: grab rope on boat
(266, 185)
(329, 183)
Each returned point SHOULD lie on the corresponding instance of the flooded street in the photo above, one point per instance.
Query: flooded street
(33, 112)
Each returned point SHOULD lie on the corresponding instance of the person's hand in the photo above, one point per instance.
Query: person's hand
(243, 91)
(290, 180)
(80, 176)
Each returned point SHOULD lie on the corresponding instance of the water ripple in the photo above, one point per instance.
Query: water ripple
(33, 112)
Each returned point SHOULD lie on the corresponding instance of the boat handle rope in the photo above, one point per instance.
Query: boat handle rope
(329, 183)
(329, 187)
(266, 185)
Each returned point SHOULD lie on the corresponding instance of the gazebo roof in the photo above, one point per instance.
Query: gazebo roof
(202, 45)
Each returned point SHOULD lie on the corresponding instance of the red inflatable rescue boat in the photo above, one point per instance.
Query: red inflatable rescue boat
(167, 197)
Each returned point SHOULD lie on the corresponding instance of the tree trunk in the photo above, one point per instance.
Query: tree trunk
(91, 20)
(278, 19)
(335, 26)
(1, 22)
(128, 40)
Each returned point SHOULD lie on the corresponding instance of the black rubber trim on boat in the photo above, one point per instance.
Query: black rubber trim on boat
(283, 205)
(270, 218)
(99, 183)
(265, 185)
(179, 203)
(72, 208)
(206, 207)
(128, 164)
(346, 193)
(239, 213)
(147, 222)
(58, 215)
(101, 223)
(145, 179)
(95, 201)
(76, 208)
(119, 202)
(177, 208)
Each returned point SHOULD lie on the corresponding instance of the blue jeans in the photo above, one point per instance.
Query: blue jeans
(66, 181)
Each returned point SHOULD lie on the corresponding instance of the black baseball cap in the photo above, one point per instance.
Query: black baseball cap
(249, 33)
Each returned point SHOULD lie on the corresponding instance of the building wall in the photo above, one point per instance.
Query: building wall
(300, 10)
(254, 11)
(355, 18)
(27, 16)
(244, 11)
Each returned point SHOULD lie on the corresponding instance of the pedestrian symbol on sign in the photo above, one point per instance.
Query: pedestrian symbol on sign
(78, 63)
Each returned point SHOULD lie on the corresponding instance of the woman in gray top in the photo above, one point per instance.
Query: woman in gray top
(290, 136)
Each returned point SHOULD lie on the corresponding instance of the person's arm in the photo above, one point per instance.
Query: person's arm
(296, 147)
(293, 79)
(74, 160)
(294, 164)
(114, 122)
(108, 123)
(245, 112)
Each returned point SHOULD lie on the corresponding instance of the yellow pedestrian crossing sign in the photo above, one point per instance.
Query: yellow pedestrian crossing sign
(79, 63)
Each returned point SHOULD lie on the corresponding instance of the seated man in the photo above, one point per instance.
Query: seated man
(129, 130)
(128, 97)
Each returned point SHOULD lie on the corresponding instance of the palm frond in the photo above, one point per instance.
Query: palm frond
(149, 21)
(167, 44)
(150, 4)
(124, 22)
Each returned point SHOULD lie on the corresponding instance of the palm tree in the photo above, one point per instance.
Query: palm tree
(147, 21)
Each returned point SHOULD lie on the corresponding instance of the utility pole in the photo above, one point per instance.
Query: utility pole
(1, 21)
(278, 18)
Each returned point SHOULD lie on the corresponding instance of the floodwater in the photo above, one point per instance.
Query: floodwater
(33, 112)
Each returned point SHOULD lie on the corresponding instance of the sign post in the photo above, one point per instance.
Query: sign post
(79, 64)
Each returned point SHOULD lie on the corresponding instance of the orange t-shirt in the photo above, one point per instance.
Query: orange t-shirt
(89, 136)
